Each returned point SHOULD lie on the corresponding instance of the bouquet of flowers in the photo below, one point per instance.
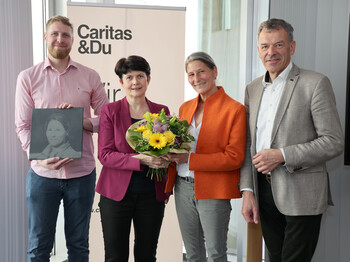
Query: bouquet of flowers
(158, 134)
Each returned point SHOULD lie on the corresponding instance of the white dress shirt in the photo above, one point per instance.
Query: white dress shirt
(268, 108)
(183, 169)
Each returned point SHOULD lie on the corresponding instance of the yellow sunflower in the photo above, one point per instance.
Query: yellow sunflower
(170, 137)
(157, 140)
(141, 129)
(147, 134)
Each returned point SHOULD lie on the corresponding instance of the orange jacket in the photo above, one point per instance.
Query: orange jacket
(220, 147)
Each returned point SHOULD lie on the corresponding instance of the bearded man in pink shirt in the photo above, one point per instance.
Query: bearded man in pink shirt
(59, 82)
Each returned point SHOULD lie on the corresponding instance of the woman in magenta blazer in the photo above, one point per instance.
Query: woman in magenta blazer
(127, 194)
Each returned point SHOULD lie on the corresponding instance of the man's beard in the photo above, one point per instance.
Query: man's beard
(59, 54)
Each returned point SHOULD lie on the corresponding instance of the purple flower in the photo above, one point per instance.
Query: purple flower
(159, 127)
(178, 141)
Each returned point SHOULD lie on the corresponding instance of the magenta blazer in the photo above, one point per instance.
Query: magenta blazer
(115, 154)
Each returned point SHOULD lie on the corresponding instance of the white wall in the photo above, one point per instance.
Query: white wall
(321, 32)
(15, 55)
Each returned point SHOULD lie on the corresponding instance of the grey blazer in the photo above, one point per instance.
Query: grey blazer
(307, 127)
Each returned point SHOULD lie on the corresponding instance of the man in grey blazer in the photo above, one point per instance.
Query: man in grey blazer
(293, 129)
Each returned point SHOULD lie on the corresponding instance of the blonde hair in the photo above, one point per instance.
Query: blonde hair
(58, 18)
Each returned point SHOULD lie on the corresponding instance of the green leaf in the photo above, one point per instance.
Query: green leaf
(134, 133)
(162, 115)
(148, 117)
(185, 123)
(160, 152)
(173, 120)
(145, 147)
(135, 138)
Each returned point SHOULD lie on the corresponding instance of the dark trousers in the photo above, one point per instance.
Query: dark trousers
(287, 238)
(44, 196)
(145, 212)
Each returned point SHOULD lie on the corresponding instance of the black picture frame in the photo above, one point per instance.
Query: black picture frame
(56, 132)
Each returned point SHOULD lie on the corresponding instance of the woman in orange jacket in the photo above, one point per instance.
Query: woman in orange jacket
(207, 177)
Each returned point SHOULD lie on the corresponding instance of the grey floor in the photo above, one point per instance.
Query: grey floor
(230, 258)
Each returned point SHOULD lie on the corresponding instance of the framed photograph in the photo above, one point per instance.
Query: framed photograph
(56, 133)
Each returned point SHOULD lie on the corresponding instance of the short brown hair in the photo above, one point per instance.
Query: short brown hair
(58, 18)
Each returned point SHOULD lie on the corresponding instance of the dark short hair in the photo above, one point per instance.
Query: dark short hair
(201, 56)
(58, 18)
(132, 63)
(60, 118)
(275, 24)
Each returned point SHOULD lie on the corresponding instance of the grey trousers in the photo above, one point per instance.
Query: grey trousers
(203, 224)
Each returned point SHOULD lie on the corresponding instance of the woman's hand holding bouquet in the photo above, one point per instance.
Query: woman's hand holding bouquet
(151, 161)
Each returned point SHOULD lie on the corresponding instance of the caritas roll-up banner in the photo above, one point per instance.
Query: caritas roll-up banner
(104, 33)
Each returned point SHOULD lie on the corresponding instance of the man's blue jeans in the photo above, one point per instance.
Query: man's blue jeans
(43, 200)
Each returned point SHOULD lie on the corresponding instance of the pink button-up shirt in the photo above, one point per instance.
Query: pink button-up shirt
(42, 86)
